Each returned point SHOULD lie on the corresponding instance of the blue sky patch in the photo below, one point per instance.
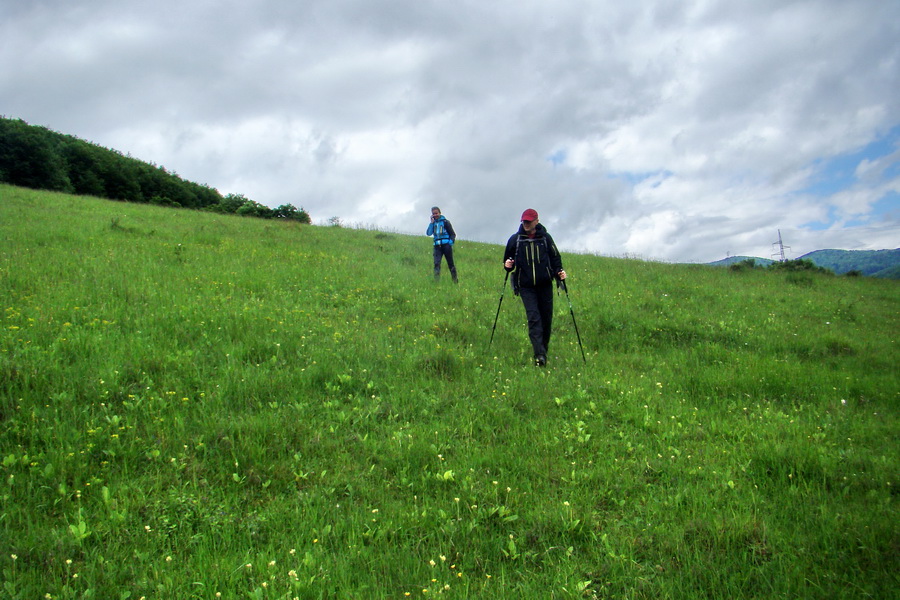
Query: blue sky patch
(836, 174)
(558, 157)
(887, 208)
(634, 178)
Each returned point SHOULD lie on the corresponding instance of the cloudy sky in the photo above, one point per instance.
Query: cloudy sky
(675, 130)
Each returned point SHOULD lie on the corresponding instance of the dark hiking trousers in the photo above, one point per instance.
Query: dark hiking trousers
(538, 304)
(440, 251)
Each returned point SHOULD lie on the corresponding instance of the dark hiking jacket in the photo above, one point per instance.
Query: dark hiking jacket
(537, 260)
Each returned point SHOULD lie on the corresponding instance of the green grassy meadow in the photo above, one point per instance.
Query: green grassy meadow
(204, 406)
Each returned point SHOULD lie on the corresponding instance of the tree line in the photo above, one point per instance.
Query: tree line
(39, 158)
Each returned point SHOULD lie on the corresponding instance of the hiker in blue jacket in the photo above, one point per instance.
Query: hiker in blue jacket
(444, 237)
(535, 263)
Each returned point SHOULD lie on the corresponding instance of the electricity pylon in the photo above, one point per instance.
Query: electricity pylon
(781, 248)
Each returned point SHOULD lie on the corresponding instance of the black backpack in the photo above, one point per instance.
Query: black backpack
(532, 262)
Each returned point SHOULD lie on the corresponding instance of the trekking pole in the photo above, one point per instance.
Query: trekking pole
(572, 312)
(502, 291)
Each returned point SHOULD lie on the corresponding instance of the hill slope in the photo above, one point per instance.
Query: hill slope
(875, 263)
(39, 158)
(733, 260)
(195, 404)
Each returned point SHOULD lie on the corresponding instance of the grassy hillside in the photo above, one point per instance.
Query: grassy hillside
(203, 406)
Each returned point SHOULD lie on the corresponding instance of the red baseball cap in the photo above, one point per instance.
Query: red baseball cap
(529, 215)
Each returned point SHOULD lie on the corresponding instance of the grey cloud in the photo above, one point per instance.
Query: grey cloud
(681, 130)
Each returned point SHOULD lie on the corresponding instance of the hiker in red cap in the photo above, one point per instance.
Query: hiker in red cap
(534, 261)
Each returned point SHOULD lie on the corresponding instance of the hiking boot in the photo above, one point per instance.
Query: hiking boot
(540, 360)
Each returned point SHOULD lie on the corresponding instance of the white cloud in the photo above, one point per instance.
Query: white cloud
(678, 130)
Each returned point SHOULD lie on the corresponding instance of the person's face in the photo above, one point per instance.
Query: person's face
(435, 214)
(529, 226)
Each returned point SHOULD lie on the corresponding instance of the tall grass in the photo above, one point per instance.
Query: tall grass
(203, 406)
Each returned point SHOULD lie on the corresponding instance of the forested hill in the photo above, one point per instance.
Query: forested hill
(39, 158)
(884, 264)
(877, 263)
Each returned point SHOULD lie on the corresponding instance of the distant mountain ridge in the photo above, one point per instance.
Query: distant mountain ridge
(873, 263)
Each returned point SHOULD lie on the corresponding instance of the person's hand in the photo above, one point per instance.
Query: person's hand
(509, 263)
(562, 275)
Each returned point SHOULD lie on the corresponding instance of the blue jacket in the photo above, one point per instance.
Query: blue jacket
(442, 231)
